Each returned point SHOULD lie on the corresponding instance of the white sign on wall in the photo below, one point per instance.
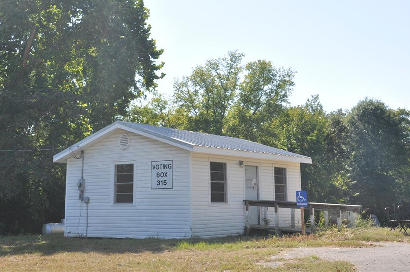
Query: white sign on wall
(162, 174)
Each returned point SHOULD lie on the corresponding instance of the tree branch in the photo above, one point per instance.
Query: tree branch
(28, 46)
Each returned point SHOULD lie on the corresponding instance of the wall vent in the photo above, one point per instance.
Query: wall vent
(124, 141)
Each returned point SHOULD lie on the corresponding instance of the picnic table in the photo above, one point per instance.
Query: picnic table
(404, 225)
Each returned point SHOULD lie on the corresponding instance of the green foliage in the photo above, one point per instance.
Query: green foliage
(223, 97)
(363, 222)
(379, 146)
(153, 113)
(262, 96)
(207, 94)
(359, 156)
(67, 68)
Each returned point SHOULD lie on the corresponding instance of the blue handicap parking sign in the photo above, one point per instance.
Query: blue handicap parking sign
(301, 199)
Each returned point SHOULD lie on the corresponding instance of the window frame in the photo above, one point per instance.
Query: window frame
(285, 185)
(225, 182)
(115, 183)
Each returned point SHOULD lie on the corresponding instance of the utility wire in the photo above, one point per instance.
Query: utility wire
(27, 150)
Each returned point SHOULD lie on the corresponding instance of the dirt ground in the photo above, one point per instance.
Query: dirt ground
(383, 256)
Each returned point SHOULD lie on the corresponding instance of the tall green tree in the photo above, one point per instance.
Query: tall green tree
(262, 96)
(307, 130)
(207, 94)
(379, 148)
(156, 112)
(67, 68)
(226, 97)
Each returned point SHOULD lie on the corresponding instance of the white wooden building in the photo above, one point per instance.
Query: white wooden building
(134, 180)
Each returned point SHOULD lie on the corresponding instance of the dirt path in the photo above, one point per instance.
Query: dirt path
(384, 256)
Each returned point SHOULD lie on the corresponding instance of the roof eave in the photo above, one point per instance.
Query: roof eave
(255, 155)
(62, 156)
(65, 154)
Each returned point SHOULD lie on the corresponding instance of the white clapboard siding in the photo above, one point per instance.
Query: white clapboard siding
(221, 219)
(183, 211)
(164, 213)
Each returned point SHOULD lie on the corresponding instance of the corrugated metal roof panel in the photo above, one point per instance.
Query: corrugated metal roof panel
(210, 140)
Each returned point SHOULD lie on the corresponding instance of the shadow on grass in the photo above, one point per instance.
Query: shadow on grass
(57, 243)
(52, 244)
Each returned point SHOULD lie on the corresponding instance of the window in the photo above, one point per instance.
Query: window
(280, 184)
(124, 181)
(218, 182)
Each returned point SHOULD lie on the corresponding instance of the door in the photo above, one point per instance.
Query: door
(252, 192)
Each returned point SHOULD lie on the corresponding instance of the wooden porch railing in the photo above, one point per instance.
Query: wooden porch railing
(312, 206)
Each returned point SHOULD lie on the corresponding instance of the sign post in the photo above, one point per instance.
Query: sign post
(302, 202)
(302, 216)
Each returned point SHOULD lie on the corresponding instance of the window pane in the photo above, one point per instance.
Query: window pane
(280, 180)
(218, 166)
(121, 178)
(217, 187)
(279, 171)
(218, 197)
(218, 171)
(280, 197)
(124, 198)
(124, 188)
(217, 192)
(217, 176)
(125, 168)
(279, 189)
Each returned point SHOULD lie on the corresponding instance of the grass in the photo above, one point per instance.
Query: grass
(56, 253)
(313, 263)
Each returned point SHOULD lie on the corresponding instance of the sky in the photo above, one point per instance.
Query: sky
(344, 51)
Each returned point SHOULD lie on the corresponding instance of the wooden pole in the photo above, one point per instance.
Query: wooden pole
(339, 221)
(302, 217)
(277, 218)
(312, 220)
(247, 226)
(326, 216)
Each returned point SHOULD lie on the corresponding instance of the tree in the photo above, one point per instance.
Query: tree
(156, 112)
(262, 96)
(225, 97)
(67, 68)
(379, 148)
(207, 94)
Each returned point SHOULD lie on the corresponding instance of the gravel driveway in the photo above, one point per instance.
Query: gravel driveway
(385, 256)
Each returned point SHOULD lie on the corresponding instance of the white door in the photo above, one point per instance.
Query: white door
(251, 192)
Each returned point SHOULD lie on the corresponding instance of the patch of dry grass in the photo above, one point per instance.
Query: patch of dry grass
(366, 234)
(316, 264)
(56, 253)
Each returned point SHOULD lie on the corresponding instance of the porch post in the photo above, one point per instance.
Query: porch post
(247, 228)
(277, 217)
(312, 220)
(339, 220)
(326, 216)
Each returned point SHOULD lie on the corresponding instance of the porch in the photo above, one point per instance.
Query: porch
(333, 213)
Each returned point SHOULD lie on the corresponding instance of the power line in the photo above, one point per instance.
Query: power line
(27, 150)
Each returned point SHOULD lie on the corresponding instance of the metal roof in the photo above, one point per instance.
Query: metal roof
(193, 141)
(211, 140)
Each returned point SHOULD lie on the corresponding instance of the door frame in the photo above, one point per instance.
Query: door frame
(257, 190)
